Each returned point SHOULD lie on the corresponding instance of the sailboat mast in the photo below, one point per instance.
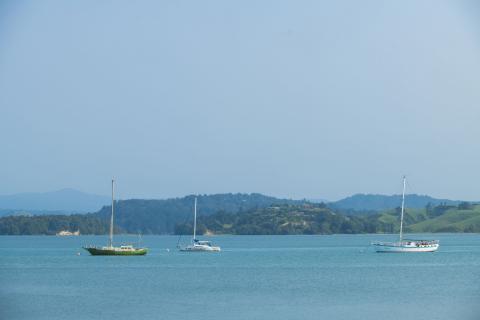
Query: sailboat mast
(195, 220)
(110, 244)
(403, 208)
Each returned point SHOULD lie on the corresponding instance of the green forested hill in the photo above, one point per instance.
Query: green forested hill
(140, 216)
(443, 218)
(283, 219)
(318, 219)
(161, 216)
(452, 220)
(247, 214)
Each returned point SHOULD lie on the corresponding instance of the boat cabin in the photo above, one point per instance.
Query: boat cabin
(420, 243)
(203, 243)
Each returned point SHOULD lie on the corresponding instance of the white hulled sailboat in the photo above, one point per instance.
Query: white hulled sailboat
(198, 245)
(406, 245)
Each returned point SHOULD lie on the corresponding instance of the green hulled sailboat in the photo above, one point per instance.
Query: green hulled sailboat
(110, 250)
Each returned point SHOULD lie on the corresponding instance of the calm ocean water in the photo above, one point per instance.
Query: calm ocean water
(254, 277)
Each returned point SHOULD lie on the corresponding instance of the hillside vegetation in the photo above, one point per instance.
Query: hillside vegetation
(318, 219)
(247, 214)
(285, 219)
(51, 224)
(451, 220)
(141, 216)
(161, 216)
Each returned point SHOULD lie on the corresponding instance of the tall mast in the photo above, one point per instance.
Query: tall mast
(110, 243)
(195, 220)
(403, 208)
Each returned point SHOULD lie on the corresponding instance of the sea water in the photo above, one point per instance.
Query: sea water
(254, 277)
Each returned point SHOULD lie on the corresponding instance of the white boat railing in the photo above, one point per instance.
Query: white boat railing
(407, 243)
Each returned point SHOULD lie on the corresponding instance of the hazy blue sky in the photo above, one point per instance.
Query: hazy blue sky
(289, 98)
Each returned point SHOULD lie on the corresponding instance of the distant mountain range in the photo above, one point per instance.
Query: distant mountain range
(67, 201)
(233, 213)
(246, 214)
(61, 201)
(378, 202)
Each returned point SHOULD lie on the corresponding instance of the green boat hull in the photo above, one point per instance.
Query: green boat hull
(109, 252)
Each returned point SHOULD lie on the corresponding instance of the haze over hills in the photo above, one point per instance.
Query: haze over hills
(378, 202)
(65, 200)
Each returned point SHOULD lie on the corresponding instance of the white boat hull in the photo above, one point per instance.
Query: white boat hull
(405, 247)
(200, 248)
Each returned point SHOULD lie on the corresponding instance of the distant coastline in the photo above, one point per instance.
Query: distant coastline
(249, 214)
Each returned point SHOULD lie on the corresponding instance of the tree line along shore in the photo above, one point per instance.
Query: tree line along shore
(254, 214)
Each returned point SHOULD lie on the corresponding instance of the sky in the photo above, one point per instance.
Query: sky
(297, 99)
